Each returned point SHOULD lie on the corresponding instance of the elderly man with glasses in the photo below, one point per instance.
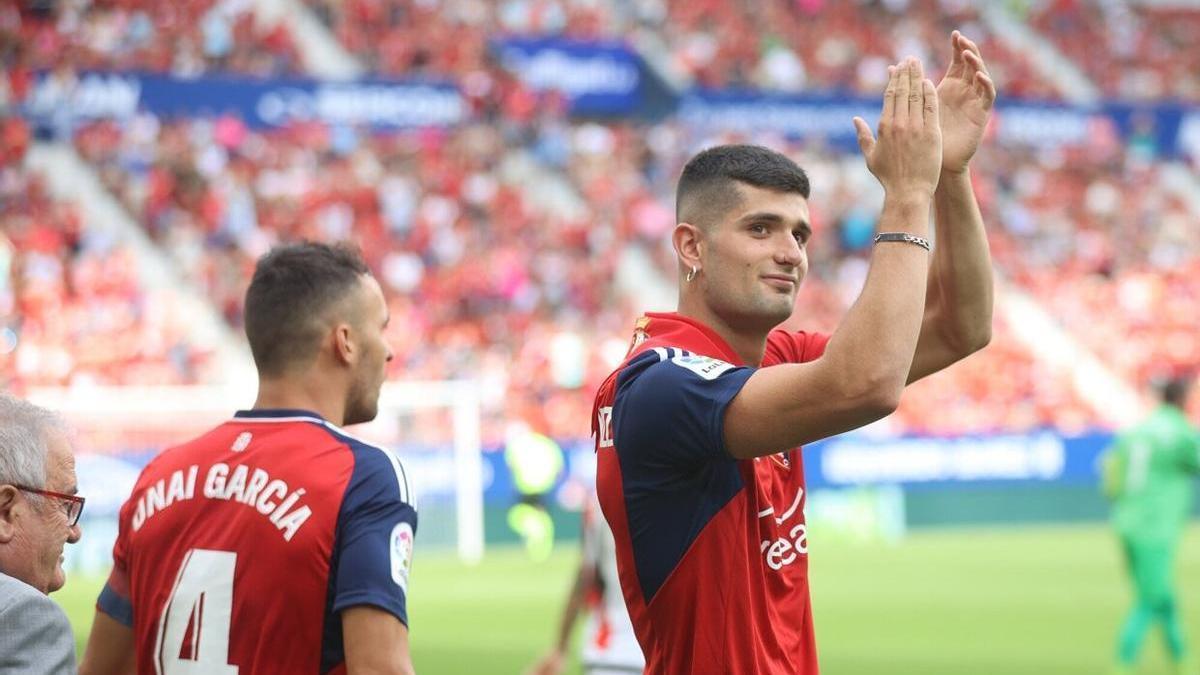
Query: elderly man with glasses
(39, 514)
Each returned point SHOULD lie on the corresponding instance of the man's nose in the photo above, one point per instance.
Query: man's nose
(789, 253)
(76, 533)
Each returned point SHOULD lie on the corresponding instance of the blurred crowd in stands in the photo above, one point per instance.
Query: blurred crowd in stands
(182, 37)
(72, 305)
(1133, 51)
(500, 243)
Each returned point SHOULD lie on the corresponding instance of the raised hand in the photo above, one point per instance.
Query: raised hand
(907, 156)
(966, 95)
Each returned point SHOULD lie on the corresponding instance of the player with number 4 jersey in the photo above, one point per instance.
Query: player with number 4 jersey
(276, 542)
(274, 519)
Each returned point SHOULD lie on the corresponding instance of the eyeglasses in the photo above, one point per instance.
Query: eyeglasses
(74, 503)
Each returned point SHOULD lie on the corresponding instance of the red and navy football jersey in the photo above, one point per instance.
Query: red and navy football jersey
(712, 551)
(237, 551)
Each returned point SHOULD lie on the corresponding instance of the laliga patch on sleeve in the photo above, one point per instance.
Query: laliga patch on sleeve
(704, 366)
(402, 552)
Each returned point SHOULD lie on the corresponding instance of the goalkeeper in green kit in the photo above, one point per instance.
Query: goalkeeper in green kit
(1148, 474)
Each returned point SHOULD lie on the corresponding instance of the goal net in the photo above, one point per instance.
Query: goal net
(433, 427)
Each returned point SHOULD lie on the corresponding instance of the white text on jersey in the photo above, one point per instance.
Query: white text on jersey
(252, 487)
(782, 551)
(604, 424)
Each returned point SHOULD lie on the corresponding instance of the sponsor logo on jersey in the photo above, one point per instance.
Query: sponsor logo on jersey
(786, 550)
(704, 366)
(787, 545)
(402, 552)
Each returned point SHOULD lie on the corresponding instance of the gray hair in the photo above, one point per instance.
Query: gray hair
(23, 431)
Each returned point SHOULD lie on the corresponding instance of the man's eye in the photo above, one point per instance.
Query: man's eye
(758, 228)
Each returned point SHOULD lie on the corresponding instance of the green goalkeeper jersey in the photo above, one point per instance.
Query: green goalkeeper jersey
(1149, 474)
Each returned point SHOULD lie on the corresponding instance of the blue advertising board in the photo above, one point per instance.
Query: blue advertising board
(598, 78)
(1036, 457)
(827, 117)
(1171, 129)
(259, 103)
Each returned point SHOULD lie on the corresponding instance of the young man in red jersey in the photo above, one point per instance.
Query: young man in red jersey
(699, 472)
(275, 543)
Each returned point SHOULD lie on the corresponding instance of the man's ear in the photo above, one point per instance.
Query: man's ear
(688, 241)
(8, 507)
(345, 346)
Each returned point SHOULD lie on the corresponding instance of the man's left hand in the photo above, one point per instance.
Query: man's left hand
(965, 98)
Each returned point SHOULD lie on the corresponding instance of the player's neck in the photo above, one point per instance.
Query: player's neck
(749, 345)
(301, 394)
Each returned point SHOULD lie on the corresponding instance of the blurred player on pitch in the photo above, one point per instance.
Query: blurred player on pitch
(699, 472)
(275, 543)
(1149, 475)
(610, 647)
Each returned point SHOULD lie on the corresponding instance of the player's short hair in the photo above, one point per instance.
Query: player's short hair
(24, 428)
(1174, 390)
(708, 191)
(288, 301)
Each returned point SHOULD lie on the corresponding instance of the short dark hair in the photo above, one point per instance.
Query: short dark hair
(1174, 390)
(293, 288)
(708, 187)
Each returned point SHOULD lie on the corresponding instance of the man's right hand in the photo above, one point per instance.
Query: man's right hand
(907, 156)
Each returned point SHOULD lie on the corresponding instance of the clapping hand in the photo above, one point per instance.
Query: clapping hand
(965, 97)
(905, 157)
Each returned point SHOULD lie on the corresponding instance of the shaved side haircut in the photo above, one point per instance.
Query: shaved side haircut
(293, 291)
(708, 187)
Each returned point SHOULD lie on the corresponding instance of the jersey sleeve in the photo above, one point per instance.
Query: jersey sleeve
(794, 347)
(376, 530)
(115, 599)
(670, 410)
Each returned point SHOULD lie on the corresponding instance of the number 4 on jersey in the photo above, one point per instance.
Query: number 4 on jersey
(193, 631)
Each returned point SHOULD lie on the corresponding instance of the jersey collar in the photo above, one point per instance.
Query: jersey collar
(278, 414)
(671, 329)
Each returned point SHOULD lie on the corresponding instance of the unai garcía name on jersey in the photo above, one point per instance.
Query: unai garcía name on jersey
(250, 486)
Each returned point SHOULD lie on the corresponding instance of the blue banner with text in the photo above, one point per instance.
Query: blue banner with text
(1163, 130)
(598, 78)
(1037, 457)
(259, 103)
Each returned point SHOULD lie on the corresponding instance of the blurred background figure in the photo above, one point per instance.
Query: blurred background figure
(39, 514)
(535, 462)
(610, 646)
(1149, 474)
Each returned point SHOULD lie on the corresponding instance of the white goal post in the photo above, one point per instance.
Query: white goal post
(118, 429)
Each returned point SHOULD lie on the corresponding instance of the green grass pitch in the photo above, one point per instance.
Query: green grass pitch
(1044, 601)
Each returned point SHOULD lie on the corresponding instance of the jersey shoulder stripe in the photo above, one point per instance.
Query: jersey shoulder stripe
(372, 450)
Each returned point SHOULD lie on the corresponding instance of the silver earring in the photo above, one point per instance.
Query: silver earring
(692, 275)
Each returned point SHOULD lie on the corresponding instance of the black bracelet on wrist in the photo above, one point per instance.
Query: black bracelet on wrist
(904, 237)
